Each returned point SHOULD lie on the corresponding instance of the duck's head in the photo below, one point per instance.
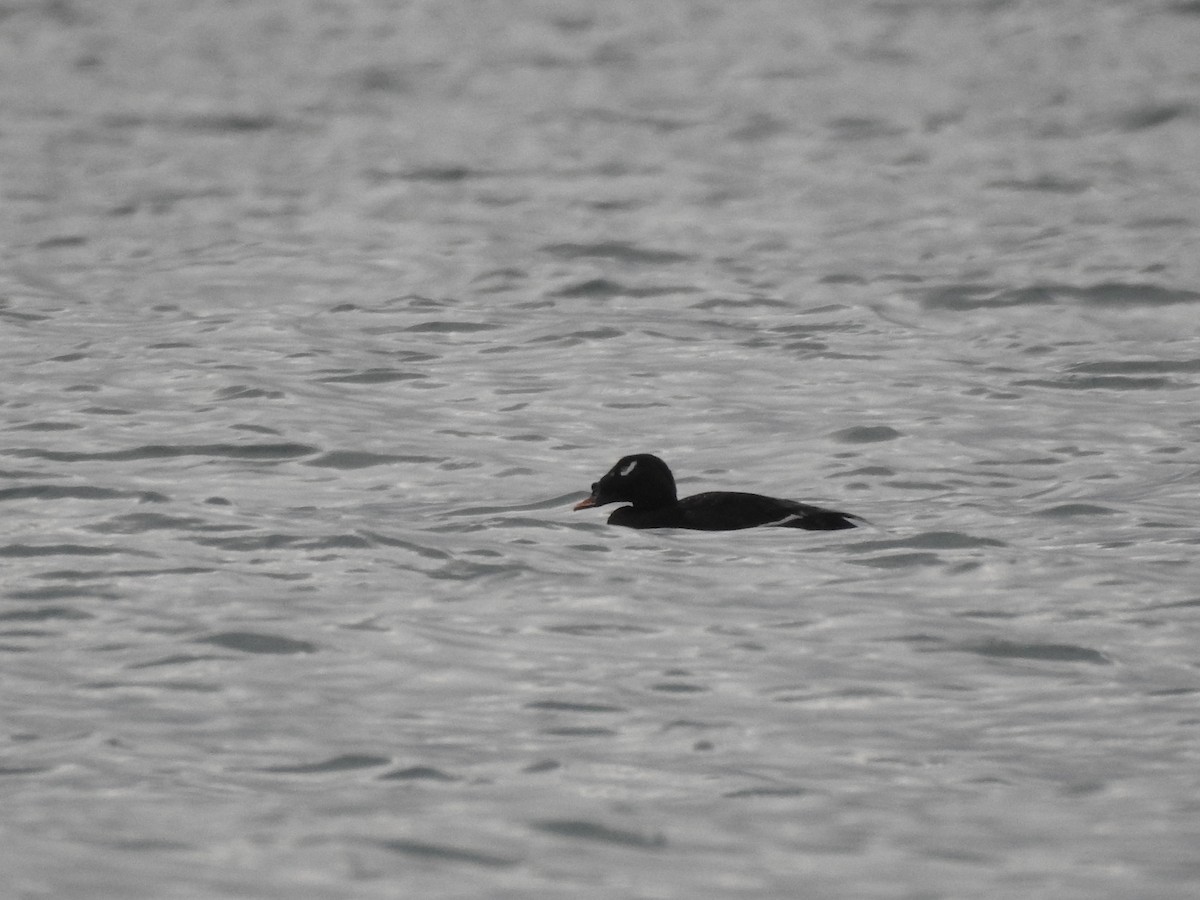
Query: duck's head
(641, 479)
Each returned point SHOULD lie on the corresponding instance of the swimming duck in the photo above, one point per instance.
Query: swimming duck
(645, 482)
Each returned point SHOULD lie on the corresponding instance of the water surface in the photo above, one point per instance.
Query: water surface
(315, 321)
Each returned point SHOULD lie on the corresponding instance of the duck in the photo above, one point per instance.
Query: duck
(646, 483)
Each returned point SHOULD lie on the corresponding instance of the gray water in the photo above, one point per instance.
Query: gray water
(317, 318)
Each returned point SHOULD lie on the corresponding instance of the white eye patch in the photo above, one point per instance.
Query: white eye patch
(629, 468)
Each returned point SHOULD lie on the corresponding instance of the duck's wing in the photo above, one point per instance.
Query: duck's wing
(814, 518)
(734, 510)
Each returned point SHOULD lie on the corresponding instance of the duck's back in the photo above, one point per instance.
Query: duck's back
(732, 511)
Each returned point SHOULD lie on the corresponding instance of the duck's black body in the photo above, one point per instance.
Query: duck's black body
(646, 483)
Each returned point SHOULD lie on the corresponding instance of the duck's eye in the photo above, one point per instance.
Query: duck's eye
(595, 486)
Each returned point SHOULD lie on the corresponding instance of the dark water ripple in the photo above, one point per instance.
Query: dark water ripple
(446, 853)
(160, 451)
(250, 642)
(418, 773)
(77, 492)
(346, 762)
(966, 297)
(582, 830)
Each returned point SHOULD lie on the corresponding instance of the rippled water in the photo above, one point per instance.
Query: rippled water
(316, 319)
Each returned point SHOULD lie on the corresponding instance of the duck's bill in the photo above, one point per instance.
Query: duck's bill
(585, 504)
